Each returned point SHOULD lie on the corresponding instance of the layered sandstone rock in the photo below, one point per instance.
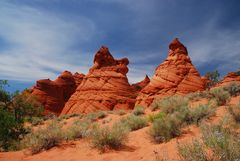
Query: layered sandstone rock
(176, 75)
(54, 94)
(229, 78)
(105, 87)
(140, 85)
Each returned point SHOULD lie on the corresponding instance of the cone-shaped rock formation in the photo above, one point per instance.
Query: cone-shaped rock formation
(105, 87)
(176, 75)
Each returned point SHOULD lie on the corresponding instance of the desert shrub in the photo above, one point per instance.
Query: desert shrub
(101, 114)
(79, 129)
(96, 115)
(195, 96)
(235, 111)
(67, 116)
(233, 89)
(171, 104)
(224, 143)
(36, 120)
(156, 116)
(120, 112)
(220, 95)
(106, 120)
(194, 151)
(213, 78)
(50, 116)
(43, 139)
(201, 112)
(134, 122)
(138, 110)
(166, 128)
(106, 137)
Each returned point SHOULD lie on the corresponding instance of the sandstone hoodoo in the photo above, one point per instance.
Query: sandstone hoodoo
(54, 94)
(140, 85)
(176, 75)
(105, 87)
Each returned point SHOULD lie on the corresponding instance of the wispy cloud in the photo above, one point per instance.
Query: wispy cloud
(213, 45)
(39, 43)
(39, 39)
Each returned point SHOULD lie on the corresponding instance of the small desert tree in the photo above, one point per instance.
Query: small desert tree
(213, 78)
(14, 108)
(237, 72)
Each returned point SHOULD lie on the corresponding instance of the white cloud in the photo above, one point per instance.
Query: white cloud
(38, 43)
(213, 44)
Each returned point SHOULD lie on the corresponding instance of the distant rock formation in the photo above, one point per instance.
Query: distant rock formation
(140, 85)
(176, 75)
(54, 94)
(105, 87)
(229, 78)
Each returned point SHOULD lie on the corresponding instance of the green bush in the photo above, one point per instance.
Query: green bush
(201, 112)
(134, 122)
(67, 116)
(166, 128)
(101, 114)
(224, 142)
(14, 110)
(106, 137)
(171, 104)
(120, 112)
(79, 129)
(10, 130)
(237, 72)
(138, 110)
(194, 151)
(220, 95)
(43, 139)
(233, 89)
(213, 78)
(96, 115)
(156, 116)
(235, 111)
(26, 105)
(36, 120)
(198, 95)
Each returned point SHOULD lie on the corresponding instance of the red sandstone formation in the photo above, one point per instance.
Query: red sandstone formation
(54, 94)
(105, 87)
(176, 75)
(229, 78)
(140, 85)
(206, 81)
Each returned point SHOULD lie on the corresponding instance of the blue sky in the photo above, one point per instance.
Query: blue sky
(41, 38)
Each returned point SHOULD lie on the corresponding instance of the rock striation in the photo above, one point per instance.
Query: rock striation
(229, 78)
(176, 75)
(105, 87)
(54, 94)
